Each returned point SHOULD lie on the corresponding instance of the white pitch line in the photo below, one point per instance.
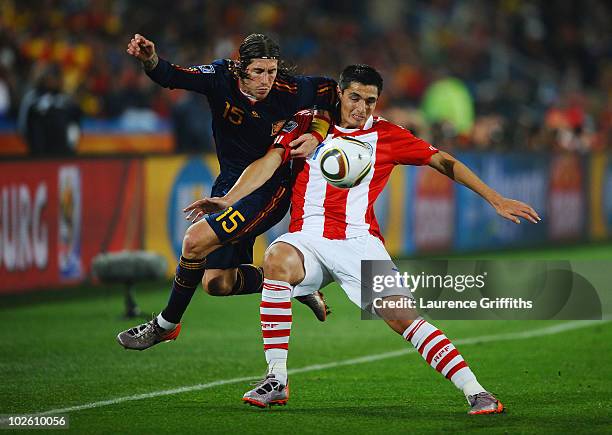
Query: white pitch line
(551, 330)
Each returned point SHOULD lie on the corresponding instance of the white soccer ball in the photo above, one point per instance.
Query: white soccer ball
(345, 161)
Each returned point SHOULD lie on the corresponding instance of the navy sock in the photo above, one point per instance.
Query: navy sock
(188, 275)
(249, 280)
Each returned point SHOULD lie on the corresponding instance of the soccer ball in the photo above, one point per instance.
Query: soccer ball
(345, 161)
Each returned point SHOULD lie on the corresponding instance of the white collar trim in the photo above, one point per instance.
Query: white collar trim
(367, 126)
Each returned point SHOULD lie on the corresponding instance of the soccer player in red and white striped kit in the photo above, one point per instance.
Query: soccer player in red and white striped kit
(333, 229)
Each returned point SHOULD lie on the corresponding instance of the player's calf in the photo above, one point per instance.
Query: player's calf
(242, 280)
(219, 282)
(440, 353)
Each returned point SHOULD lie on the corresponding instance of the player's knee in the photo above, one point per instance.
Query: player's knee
(398, 318)
(196, 243)
(399, 325)
(282, 263)
(219, 285)
(192, 246)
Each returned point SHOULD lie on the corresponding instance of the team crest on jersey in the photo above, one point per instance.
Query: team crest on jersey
(276, 126)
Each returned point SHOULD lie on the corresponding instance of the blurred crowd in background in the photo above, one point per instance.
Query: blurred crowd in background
(479, 74)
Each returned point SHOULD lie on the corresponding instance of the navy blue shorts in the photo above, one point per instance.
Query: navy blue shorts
(238, 226)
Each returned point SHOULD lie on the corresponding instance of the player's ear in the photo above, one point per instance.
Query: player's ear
(339, 91)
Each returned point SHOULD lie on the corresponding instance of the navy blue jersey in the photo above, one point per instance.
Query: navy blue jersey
(244, 130)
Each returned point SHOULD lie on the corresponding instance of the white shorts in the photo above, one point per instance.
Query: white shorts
(327, 260)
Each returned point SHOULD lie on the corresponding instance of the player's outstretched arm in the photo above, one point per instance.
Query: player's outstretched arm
(200, 79)
(252, 178)
(255, 175)
(511, 209)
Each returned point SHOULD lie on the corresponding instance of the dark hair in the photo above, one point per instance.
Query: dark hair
(364, 74)
(259, 46)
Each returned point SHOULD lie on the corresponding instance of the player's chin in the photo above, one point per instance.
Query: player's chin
(358, 121)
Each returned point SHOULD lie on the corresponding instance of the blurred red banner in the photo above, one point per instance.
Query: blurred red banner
(56, 216)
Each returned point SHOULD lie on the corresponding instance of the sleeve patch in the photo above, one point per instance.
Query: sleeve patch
(289, 126)
(206, 69)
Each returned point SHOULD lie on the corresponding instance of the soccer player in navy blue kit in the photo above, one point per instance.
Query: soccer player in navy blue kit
(250, 100)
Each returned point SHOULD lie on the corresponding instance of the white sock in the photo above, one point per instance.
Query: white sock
(277, 364)
(164, 323)
(471, 388)
(276, 320)
(439, 353)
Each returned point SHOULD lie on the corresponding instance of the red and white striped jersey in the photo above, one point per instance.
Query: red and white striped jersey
(322, 209)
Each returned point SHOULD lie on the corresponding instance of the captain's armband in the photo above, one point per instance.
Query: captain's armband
(319, 126)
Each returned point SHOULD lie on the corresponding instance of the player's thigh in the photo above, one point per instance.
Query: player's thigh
(315, 274)
(251, 216)
(347, 269)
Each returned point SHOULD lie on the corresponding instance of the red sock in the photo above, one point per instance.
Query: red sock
(440, 354)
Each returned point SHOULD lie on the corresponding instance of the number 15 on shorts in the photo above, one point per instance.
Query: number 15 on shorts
(230, 219)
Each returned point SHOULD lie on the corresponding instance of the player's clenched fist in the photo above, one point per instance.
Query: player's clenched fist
(143, 50)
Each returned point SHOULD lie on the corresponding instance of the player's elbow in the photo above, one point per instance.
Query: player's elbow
(444, 163)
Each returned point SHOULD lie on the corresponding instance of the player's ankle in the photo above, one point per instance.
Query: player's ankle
(163, 323)
(280, 377)
(471, 388)
(278, 368)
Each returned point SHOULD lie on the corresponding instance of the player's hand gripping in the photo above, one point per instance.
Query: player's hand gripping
(303, 146)
(512, 209)
(143, 50)
(205, 206)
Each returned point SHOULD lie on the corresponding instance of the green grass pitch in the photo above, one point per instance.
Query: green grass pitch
(62, 353)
